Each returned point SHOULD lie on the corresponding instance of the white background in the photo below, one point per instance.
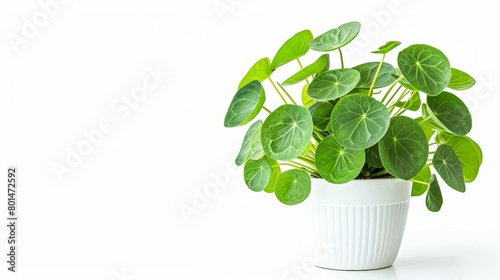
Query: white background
(116, 214)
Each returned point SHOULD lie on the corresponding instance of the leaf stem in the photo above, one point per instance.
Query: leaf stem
(275, 88)
(300, 64)
(265, 109)
(393, 95)
(301, 166)
(341, 58)
(418, 182)
(391, 87)
(405, 92)
(372, 86)
(287, 94)
(380, 173)
(424, 120)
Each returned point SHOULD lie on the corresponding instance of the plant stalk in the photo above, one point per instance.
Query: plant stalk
(370, 91)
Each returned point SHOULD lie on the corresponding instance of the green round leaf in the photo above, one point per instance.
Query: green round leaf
(246, 104)
(257, 174)
(389, 46)
(367, 74)
(336, 38)
(468, 152)
(373, 156)
(422, 178)
(252, 146)
(322, 115)
(275, 172)
(259, 71)
(338, 164)
(293, 186)
(448, 166)
(434, 198)
(460, 80)
(333, 84)
(320, 65)
(359, 121)
(451, 112)
(292, 49)
(425, 67)
(404, 149)
(286, 132)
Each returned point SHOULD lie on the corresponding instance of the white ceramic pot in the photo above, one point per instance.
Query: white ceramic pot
(358, 225)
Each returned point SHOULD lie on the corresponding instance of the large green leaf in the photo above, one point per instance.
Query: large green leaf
(293, 186)
(421, 182)
(425, 67)
(338, 164)
(259, 71)
(448, 166)
(367, 74)
(373, 156)
(389, 46)
(320, 65)
(336, 38)
(246, 104)
(292, 49)
(434, 198)
(322, 115)
(257, 174)
(451, 112)
(251, 144)
(286, 132)
(468, 152)
(460, 80)
(333, 84)
(404, 149)
(359, 121)
(275, 172)
(413, 103)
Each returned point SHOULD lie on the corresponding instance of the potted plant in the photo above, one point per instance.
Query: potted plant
(362, 140)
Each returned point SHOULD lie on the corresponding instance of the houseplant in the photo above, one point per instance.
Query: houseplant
(400, 125)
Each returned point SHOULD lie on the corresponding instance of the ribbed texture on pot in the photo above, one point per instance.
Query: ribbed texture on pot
(358, 237)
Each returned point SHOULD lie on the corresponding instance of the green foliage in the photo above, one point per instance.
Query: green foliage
(353, 121)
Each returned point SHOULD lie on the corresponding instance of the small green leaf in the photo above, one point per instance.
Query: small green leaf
(307, 101)
(293, 186)
(338, 164)
(367, 74)
(468, 152)
(389, 46)
(373, 156)
(275, 172)
(286, 132)
(425, 67)
(359, 121)
(460, 80)
(336, 38)
(434, 198)
(322, 115)
(246, 104)
(419, 188)
(404, 149)
(451, 112)
(292, 49)
(259, 71)
(448, 166)
(320, 65)
(413, 103)
(257, 174)
(333, 84)
(250, 142)
(426, 127)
